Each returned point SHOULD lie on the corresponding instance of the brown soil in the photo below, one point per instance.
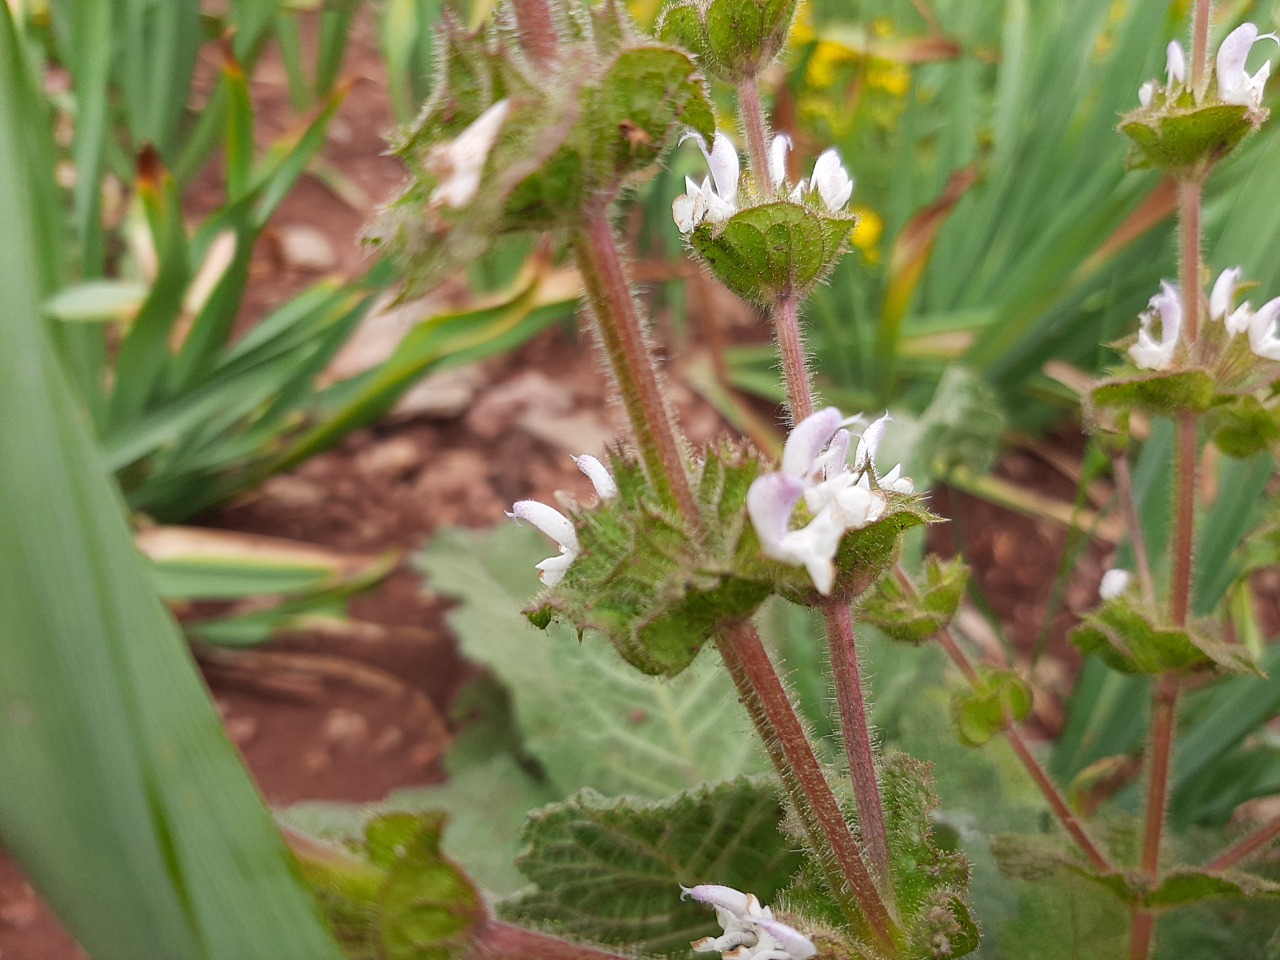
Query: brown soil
(352, 715)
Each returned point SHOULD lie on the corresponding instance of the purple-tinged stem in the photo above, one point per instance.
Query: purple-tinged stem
(626, 347)
(1057, 802)
(536, 26)
(756, 131)
(856, 733)
(766, 700)
(1252, 844)
(1200, 47)
(795, 362)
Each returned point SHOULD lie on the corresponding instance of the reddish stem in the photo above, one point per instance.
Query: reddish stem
(766, 700)
(756, 131)
(1057, 802)
(631, 361)
(856, 730)
(536, 26)
(1200, 46)
(795, 362)
(503, 941)
(1246, 848)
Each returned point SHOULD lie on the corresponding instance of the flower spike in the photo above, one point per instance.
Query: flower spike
(1235, 85)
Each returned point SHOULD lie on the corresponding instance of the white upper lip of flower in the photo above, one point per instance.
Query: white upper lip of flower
(1165, 306)
(1235, 85)
(716, 198)
(814, 467)
(460, 163)
(557, 526)
(1260, 325)
(704, 201)
(1175, 71)
(1114, 583)
(750, 931)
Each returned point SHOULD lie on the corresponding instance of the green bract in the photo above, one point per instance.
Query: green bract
(1128, 638)
(734, 40)
(562, 134)
(981, 713)
(1178, 138)
(916, 618)
(774, 250)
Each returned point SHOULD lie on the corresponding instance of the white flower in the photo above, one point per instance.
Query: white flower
(1175, 64)
(1146, 92)
(557, 526)
(704, 201)
(778, 149)
(750, 931)
(1166, 308)
(460, 162)
(1114, 583)
(1264, 340)
(832, 180)
(838, 499)
(1224, 291)
(1234, 83)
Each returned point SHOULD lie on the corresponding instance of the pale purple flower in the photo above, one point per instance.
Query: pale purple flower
(1235, 85)
(750, 930)
(1165, 309)
(557, 526)
(838, 498)
(460, 162)
(1224, 292)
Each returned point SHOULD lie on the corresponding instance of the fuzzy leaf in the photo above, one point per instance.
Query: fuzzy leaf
(980, 714)
(916, 618)
(734, 40)
(629, 733)
(962, 426)
(1173, 138)
(428, 908)
(1181, 887)
(772, 250)
(1127, 639)
(1163, 392)
(610, 870)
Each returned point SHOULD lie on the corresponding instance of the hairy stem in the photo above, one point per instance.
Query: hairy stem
(856, 732)
(756, 131)
(630, 359)
(1057, 802)
(536, 26)
(1254, 843)
(795, 362)
(766, 700)
(1124, 485)
(1164, 704)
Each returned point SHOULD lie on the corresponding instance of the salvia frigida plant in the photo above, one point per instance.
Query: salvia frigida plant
(540, 120)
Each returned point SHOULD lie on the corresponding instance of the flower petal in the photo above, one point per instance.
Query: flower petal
(1263, 337)
(1114, 583)
(778, 160)
(794, 943)
(832, 180)
(806, 440)
(460, 163)
(1224, 291)
(598, 474)
(1146, 93)
(549, 520)
(723, 161)
(721, 897)
(1175, 68)
(869, 443)
(771, 501)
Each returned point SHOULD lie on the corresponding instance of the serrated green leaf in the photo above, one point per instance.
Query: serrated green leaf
(772, 250)
(1127, 639)
(1183, 887)
(629, 733)
(680, 24)
(610, 870)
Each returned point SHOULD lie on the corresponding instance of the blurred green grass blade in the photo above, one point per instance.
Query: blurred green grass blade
(125, 801)
(239, 129)
(408, 46)
(1242, 486)
(144, 351)
(336, 21)
(289, 41)
(160, 40)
